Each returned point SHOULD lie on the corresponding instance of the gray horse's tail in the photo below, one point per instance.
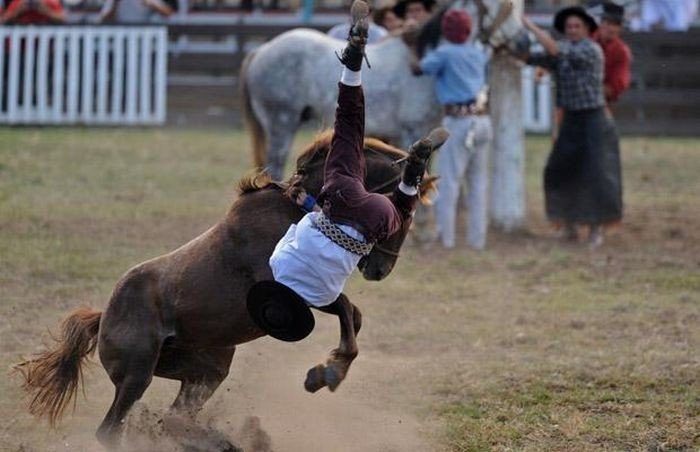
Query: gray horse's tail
(256, 129)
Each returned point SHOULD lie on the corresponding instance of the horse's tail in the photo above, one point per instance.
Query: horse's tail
(52, 378)
(258, 134)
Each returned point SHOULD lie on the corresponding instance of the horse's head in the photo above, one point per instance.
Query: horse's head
(383, 176)
(381, 260)
(496, 23)
(500, 25)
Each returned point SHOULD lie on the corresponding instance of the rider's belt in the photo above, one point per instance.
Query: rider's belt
(340, 237)
(462, 109)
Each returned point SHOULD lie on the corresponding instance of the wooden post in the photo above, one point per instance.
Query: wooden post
(508, 155)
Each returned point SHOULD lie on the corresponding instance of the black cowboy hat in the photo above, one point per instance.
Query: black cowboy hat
(400, 7)
(280, 311)
(563, 14)
(612, 12)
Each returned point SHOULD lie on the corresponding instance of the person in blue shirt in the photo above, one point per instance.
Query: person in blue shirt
(459, 68)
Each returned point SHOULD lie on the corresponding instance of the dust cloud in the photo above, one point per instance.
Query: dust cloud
(261, 407)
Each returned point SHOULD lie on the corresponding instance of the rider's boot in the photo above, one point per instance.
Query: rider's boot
(419, 153)
(354, 51)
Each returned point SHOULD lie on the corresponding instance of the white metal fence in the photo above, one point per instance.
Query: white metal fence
(83, 75)
(537, 101)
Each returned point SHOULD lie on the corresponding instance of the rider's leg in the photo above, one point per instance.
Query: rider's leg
(406, 195)
(346, 157)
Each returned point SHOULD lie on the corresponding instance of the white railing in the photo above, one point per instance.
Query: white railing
(83, 75)
(537, 101)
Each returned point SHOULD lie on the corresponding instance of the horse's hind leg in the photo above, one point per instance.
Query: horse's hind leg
(131, 371)
(200, 371)
(128, 391)
(336, 368)
(130, 338)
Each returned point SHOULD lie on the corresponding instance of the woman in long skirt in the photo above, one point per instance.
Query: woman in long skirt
(582, 178)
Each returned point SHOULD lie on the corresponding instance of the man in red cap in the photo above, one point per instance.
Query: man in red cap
(618, 57)
(459, 68)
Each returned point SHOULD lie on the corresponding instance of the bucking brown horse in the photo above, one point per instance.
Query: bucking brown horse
(181, 315)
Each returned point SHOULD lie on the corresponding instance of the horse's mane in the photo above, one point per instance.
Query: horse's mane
(255, 181)
(318, 149)
(316, 152)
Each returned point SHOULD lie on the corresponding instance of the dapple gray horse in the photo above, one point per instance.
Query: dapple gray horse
(293, 78)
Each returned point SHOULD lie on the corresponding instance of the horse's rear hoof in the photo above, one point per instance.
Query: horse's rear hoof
(315, 379)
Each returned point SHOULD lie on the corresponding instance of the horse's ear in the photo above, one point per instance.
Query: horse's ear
(427, 186)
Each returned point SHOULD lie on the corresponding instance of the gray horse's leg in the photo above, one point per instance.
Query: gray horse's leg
(282, 125)
(336, 368)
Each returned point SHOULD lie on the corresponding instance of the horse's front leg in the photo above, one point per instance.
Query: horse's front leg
(336, 368)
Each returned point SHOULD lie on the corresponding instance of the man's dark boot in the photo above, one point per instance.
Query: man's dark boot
(354, 51)
(420, 152)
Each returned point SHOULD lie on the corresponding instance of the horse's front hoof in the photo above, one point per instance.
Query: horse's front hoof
(315, 379)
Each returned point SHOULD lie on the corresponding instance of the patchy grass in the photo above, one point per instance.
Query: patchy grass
(530, 345)
(539, 345)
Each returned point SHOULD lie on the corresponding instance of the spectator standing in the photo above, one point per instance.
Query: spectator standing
(414, 13)
(133, 11)
(387, 18)
(582, 181)
(670, 15)
(460, 70)
(33, 12)
(26, 12)
(618, 57)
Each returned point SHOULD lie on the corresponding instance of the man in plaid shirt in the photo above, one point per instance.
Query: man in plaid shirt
(578, 71)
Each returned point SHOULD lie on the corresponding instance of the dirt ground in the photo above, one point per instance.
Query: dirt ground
(530, 345)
